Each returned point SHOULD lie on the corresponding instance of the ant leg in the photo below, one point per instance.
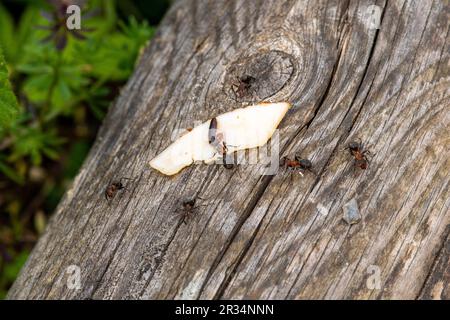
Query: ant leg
(213, 196)
(368, 152)
(124, 178)
(255, 89)
(355, 165)
(230, 145)
(178, 209)
(235, 88)
(215, 153)
(106, 195)
(124, 186)
(201, 198)
(182, 215)
(368, 155)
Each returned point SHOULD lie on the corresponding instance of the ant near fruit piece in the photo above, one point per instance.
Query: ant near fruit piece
(298, 163)
(212, 132)
(227, 164)
(216, 139)
(359, 153)
(228, 160)
(188, 208)
(242, 86)
(114, 187)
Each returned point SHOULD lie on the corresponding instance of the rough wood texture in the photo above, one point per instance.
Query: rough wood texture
(437, 286)
(269, 236)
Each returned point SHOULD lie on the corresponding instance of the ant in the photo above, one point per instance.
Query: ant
(225, 162)
(360, 154)
(187, 209)
(216, 139)
(212, 132)
(297, 163)
(114, 187)
(243, 85)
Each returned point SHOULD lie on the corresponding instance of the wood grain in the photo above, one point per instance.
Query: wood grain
(262, 236)
(437, 286)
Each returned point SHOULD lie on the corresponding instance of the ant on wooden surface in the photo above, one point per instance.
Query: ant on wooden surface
(360, 154)
(114, 187)
(242, 87)
(298, 163)
(216, 139)
(188, 208)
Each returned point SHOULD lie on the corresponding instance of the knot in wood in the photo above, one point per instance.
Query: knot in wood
(259, 76)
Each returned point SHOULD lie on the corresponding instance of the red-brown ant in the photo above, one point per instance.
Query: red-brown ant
(243, 85)
(297, 164)
(187, 209)
(360, 154)
(225, 162)
(216, 139)
(114, 187)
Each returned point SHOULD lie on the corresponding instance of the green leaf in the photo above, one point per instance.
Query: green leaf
(14, 38)
(32, 142)
(37, 87)
(61, 96)
(50, 153)
(26, 29)
(9, 108)
(7, 33)
(33, 69)
(11, 173)
(12, 269)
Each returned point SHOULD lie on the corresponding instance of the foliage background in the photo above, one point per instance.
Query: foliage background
(53, 97)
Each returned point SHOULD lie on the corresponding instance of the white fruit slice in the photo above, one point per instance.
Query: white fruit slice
(242, 128)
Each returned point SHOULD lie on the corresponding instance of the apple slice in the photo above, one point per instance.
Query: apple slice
(242, 128)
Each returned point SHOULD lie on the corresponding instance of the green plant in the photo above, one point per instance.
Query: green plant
(11, 270)
(63, 88)
(58, 83)
(9, 108)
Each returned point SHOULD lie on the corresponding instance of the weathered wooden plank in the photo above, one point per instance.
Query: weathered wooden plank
(267, 236)
(437, 286)
(402, 109)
